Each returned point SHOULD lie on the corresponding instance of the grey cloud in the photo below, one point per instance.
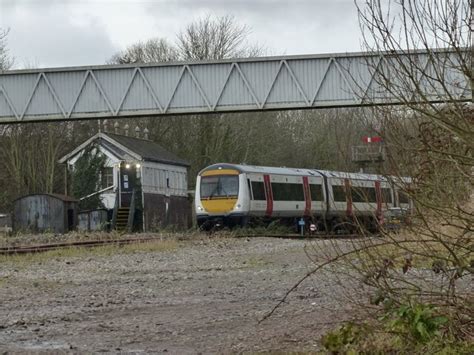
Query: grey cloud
(292, 27)
(46, 33)
(47, 36)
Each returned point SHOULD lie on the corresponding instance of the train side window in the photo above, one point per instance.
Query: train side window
(363, 194)
(403, 197)
(386, 195)
(338, 193)
(287, 192)
(316, 192)
(258, 191)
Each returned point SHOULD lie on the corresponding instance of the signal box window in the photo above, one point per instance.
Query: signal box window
(258, 191)
(107, 177)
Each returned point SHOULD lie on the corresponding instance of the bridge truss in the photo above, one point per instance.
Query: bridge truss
(288, 82)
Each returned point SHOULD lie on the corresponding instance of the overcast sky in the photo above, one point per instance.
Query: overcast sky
(49, 33)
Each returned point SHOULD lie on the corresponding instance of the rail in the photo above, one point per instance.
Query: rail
(41, 248)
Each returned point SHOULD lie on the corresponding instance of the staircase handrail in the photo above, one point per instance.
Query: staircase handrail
(131, 212)
(116, 207)
(97, 192)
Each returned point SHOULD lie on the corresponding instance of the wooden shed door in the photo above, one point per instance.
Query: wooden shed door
(70, 219)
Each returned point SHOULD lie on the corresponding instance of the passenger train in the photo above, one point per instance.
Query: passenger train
(238, 195)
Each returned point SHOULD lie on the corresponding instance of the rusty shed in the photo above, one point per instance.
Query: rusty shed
(44, 213)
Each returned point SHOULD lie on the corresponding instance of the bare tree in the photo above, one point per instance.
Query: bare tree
(154, 50)
(216, 38)
(6, 61)
(419, 279)
(200, 139)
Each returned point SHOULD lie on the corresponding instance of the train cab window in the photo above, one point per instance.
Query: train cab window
(363, 194)
(258, 191)
(338, 193)
(316, 192)
(287, 192)
(386, 195)
(219, 186)
(403, 197)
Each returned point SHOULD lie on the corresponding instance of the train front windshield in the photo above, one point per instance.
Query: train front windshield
(219, 186)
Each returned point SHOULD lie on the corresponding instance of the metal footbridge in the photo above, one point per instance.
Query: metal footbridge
(253, 84)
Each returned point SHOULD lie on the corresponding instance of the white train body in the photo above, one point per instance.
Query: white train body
(234, 194)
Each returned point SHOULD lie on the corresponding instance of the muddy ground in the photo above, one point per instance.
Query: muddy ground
(203, 295)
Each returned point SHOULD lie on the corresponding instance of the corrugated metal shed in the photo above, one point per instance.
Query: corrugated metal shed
(44, 213)
(93, 220)
(5, 222)
(285, 82)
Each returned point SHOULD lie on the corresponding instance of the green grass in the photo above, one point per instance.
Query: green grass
(256, 262)
(24, 260)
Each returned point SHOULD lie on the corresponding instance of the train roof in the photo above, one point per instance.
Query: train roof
(261, 169)
(293, 171)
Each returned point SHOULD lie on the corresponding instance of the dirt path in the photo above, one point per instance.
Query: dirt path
(201, 297)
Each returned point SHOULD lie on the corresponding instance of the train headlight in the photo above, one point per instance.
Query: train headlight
(200, 208)
(238, 206)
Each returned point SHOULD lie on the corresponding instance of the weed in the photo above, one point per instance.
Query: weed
(414, 329)
(24, 260)
(343, 339)
(420, 322)
(256, 262)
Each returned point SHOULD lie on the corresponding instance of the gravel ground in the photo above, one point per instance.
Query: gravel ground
(198, 296)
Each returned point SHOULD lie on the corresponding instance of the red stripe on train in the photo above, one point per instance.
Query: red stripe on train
(378, 193)
(347, 185)
(268, 194)
(307, 196)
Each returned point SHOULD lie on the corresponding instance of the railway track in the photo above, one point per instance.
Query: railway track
(299, 236)
(41, 248)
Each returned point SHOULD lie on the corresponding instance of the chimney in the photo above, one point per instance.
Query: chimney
(145, 133)
(137, 132)
(105, 123)
(125, 129)
(116, 127)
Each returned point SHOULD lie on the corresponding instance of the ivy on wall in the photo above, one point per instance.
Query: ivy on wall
(86, 178)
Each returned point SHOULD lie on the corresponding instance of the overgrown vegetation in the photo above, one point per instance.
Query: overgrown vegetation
(6, 61)
(410, 328)
(26, 260)
(419, 283)
(86, 178)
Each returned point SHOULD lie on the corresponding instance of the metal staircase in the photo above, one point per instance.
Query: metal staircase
(121, 222)
(123, 218)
